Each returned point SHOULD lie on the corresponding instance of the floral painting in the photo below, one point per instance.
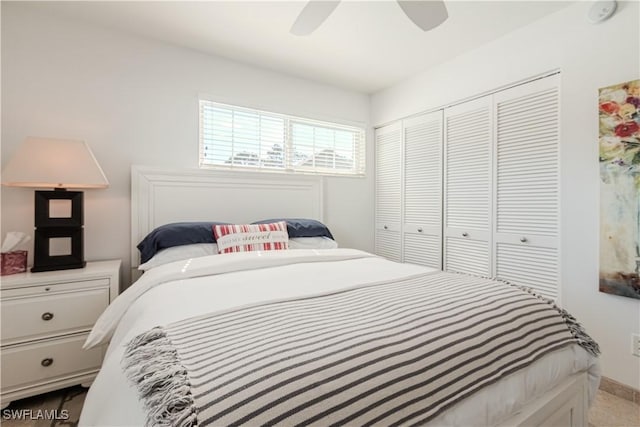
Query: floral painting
(620, 189)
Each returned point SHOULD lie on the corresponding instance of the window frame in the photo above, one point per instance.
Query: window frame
(289, 121)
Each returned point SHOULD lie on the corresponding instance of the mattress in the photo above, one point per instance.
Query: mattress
(198, 286)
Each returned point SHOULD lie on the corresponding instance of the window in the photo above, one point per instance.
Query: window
(241, 138)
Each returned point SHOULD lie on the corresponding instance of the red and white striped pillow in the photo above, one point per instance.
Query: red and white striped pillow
(251, 237)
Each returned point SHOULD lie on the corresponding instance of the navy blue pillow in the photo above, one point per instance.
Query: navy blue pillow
(302, 227)
(176, 234)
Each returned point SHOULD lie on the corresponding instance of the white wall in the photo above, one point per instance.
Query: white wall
(135, 101)
(590, 57)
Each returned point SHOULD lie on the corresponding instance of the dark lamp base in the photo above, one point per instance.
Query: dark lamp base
(63, 229)
(39, 268)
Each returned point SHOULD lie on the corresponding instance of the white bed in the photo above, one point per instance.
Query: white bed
(554, 390)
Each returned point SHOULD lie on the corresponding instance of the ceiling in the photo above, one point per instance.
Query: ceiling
(363, 46)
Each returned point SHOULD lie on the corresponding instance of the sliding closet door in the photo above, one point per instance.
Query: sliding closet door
(467, 179)
(527, 185)
(422, 230)
(388, 191)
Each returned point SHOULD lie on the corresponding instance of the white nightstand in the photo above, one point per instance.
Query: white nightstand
(46, 318)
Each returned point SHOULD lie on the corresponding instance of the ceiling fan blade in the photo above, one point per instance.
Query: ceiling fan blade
(313, 14)
(426, 14)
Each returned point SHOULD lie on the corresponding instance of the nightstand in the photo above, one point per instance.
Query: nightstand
(46, 318)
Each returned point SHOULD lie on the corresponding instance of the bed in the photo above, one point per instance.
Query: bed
(303, 304)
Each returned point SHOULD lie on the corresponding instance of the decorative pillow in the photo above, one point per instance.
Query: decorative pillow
(179, 253)
(302, 227)
(175, 234)
(247, 237)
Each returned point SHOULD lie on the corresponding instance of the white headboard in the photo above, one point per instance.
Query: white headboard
(161, 196)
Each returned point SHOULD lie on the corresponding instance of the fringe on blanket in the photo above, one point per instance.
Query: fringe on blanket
(152, 364)
(576, 329)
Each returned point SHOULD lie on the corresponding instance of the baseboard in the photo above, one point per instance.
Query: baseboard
(621, 390)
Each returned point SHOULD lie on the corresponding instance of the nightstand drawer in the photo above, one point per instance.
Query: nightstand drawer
(40, 316)
(47, 360)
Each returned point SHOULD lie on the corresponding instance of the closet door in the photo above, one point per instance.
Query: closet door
(527, 185)
(467, 180)
(422, 229)
(388, 191)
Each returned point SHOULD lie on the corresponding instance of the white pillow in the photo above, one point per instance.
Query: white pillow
(178, 253)
(312, 243)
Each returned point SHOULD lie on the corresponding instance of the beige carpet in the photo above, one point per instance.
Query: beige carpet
(613, 411)
(56, 409)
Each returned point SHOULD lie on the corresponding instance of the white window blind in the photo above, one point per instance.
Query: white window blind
(241, 138)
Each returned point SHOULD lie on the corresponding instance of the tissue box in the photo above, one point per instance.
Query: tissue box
(13, 262)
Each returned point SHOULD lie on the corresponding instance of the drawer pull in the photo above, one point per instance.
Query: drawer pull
(386, 228)
(419, 230)
(465, 234)
(47, 316)
(523, 239)
(47, 362)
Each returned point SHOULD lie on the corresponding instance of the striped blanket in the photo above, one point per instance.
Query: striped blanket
(394, 353)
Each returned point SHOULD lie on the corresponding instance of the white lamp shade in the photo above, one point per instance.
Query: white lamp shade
(54, 163)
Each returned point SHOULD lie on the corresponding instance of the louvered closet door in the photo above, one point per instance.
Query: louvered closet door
(527, 185)
(422, 230)
(388, 191)
(467, 181)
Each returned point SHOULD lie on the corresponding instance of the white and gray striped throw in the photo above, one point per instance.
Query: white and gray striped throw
(393, 353)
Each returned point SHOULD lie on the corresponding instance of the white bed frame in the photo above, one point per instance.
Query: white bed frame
(566, 405)
(161, 196)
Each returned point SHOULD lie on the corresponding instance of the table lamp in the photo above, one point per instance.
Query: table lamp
(58, 164)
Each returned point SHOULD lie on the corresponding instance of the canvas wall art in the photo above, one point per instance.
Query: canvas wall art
(620, 189)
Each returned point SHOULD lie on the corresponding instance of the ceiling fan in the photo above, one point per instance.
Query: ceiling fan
(426, 14)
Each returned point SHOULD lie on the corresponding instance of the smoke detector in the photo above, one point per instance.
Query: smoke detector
(601, 10)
